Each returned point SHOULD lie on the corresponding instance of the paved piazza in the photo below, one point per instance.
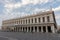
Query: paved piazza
(28, 36)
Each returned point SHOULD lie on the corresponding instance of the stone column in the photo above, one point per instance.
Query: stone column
(24, 21)
(33, 29)
(41, 19)
(22, 29)
(30, 28)
(19, 29)
(37, 20)
(45, 19)
(53, 29)
(33, 21)
(41, 28)
(27, 29)
(20, 21)
(37, 29)
(14, 28)
(46, 30)
(30, 21)
(51, 19)
(27, 21)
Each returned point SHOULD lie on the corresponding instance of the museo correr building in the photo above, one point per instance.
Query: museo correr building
(40, 22)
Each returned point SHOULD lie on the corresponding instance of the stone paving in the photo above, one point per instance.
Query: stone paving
(30, 36)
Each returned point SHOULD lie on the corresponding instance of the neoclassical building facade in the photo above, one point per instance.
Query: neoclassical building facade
(40, 22)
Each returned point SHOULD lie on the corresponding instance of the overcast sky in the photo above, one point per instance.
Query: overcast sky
(16, 8)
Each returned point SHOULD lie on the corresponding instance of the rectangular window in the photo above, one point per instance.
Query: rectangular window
(21, 21)
(29, 20)
(32, 20)
(35, 20)
(48, 19)
(17, 21)
(26, 21)
(39, 20)
(43, 19)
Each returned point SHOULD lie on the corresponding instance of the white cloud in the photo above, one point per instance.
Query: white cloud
(13, 15)
(17, 5)
(58, 0)
(12, 5)
(9, 6)
(24, 2)
(58, 17)
(51, 1)
(54, 9)
(57, 8)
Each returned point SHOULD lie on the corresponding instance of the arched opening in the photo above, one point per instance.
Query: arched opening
(23, 29)
(39, 29)
(44, 29)
(31, 29)
(35, 28)
(49, 29)
(28, 29)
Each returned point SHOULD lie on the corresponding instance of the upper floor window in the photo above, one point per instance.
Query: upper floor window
(29, 21)
(35, 20)
(39, 20)
(26, 21)
(32, 20)
(17, 21)
(43, 19)
(48, 19)
(21, 21)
